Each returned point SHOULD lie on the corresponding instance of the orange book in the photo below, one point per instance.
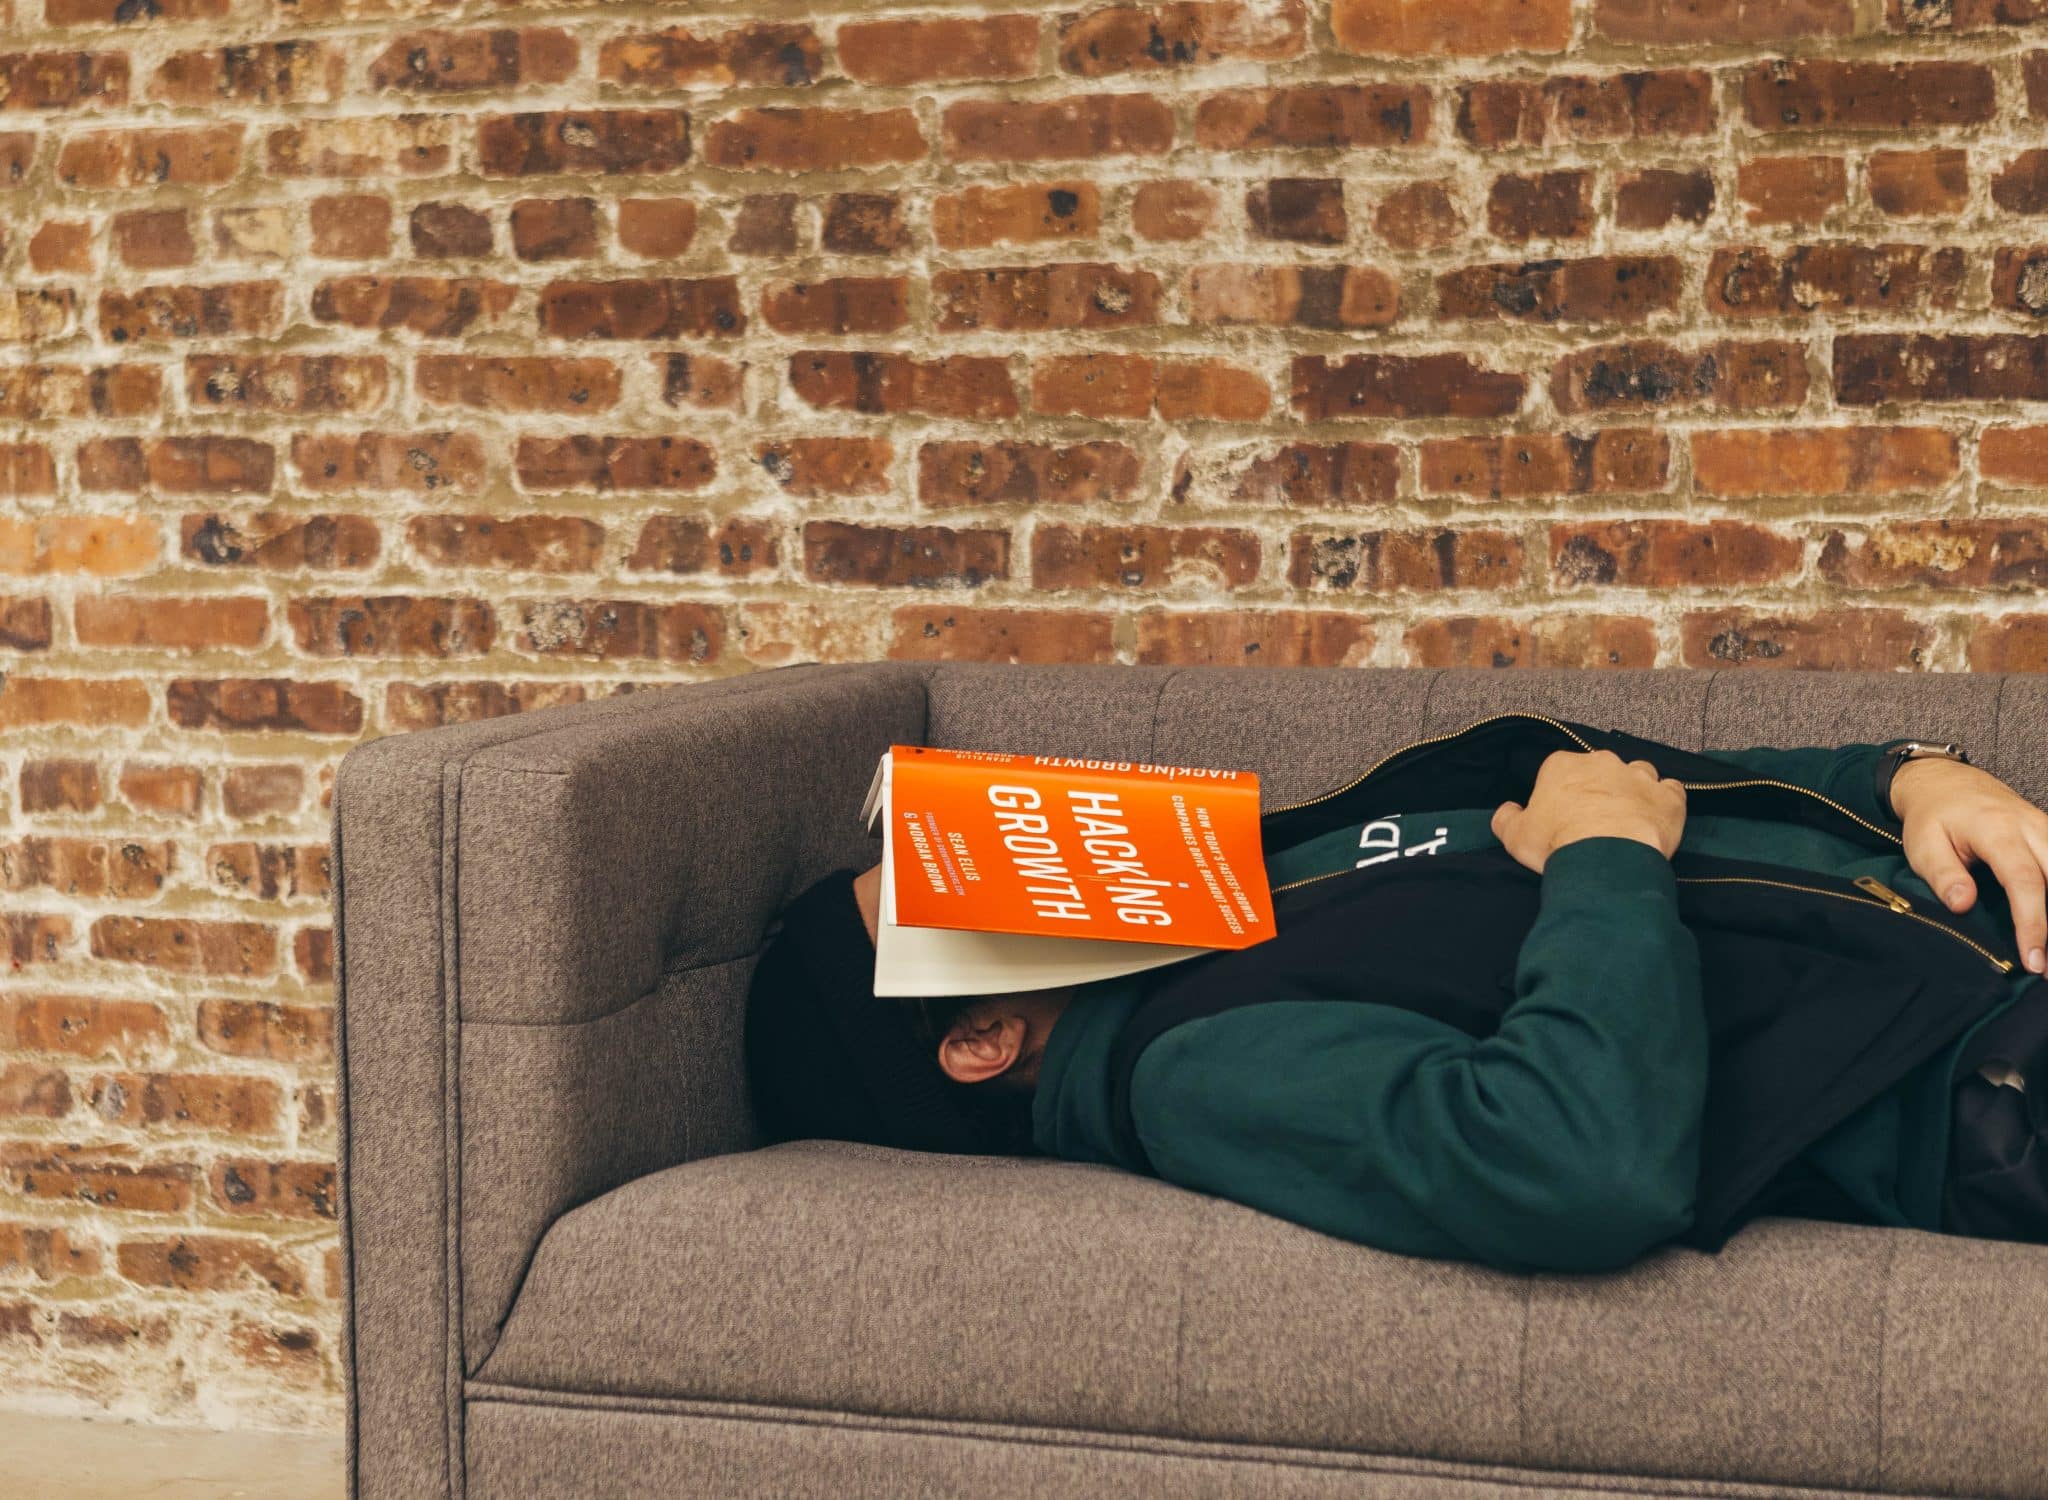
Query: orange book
(1005, 872)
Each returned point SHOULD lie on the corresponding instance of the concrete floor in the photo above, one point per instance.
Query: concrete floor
(64, 1458)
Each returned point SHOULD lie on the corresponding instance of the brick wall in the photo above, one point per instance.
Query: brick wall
(367, 365)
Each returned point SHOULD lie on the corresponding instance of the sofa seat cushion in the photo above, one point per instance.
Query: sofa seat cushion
(1051, 1294)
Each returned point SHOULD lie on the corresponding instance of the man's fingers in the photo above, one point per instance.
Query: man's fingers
(1934, 860)
(2019, 872)
(1503, 816)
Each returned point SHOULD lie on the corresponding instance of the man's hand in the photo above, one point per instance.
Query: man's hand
(1584, 794)
(1954, 814)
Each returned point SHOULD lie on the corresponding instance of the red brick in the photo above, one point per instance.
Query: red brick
(1657, 196)
(250, 792)
(460, 61)
(431, 306)
(409, 706)
(1322, 475)
(97, 546)
(903, 556)
(1822, 461)
(733, 548)
(939, 50)
(1103, 386)
(1833, 94)
(814, 140)
(115, 12)
(2010, 643)
(1834, 277)
(210, 1263)
(1871, 368)
(765, 224)
(420, 145)
(1975, 553)
(1672, 23)
(2034, 74)
(1094, 125)
(1313, 116)
(258, 703)
(32, 938)
(1934, 183)
(1182, 33)
(865, 224)
(177, 624)
(1791, 189)
(262, 231)
(192, 312)
(654, 308)
(60, 785)
(1040, 298)
(391, 625)
(1668, 554)
(2014, 455)
(1021, 213)
(286, 1355)
(71, 700)
(422, 463)
(525, 383)
(25, 624)
(195, 1101)
(2021, 185)
(1172, 210)
(1305, 210)
(27, 469)
(969, 473)
(154, 239)
(63, 80)
(36, 315)
(652, 227)
(245, 1186)
(2019, 280)
(701, 380)
(287, 72)
(1577, 640)
(1427, 558)
(212, 465)
(1599, 289)
(282, 540)
(1211, 390)
(351, 226)
(839, 305)
(1420, 216)
(1254, 638)
(815, 466)
(564, 228)
(313, 958)
(203, 156)
(299, 384)
(187, 946)
(1400, 385)
(1506, 112)
(1540, 205)
(769, 55)
(449, 231)
(1326, 297)
(63, 1174)
(1616, 460)
(604, 141)
(605, 629)
(31, 393)
(1412, 28)
(269, 872)
(1647, 376)
(1142, 557)
(171, 791)
(28, 1092)
(591, 462)
(1844, 640)
(546, 544)
(774, 634)
(60, 244)
(963, 386)
(922, 632)
(47, 1254)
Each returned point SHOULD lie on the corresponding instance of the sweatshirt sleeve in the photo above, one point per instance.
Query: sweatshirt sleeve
(1847, 773)
(1568, 1140)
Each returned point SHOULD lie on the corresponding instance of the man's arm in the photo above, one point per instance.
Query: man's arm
(1845, 773)
(1568, 1140)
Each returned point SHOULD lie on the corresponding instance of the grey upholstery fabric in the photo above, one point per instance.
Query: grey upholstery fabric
(545, 928)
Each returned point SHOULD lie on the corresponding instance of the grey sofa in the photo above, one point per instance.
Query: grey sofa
(570, 1274)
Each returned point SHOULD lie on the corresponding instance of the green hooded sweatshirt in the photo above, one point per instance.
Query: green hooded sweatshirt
(1567, 1140)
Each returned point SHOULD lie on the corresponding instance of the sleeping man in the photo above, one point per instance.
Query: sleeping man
(1539, 995)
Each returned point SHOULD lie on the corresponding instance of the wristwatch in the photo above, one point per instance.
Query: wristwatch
(1888, 765)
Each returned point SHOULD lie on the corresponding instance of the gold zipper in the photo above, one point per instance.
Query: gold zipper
(1890, 898)
(1715, 786)
(1432, 740)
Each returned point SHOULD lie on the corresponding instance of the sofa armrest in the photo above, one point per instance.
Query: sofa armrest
(544, 930)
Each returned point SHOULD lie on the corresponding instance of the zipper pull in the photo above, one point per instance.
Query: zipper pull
(1883, 892)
